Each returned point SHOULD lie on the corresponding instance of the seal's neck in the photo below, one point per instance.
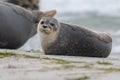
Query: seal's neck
(48, 39)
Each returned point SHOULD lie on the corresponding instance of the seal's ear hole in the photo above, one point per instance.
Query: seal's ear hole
(50, 13)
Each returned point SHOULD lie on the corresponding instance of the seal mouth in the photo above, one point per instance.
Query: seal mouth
(46, 29)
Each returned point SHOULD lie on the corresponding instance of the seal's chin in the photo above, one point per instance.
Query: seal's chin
(46, 30)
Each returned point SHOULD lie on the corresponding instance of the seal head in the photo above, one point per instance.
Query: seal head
(48, 26)
(48, 30)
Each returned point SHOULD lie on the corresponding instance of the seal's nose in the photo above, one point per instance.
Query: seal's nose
(44, 26)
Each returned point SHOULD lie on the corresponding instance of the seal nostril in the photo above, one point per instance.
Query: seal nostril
(44, 26)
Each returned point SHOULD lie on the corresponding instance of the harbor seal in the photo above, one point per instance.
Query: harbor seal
(66, 39)
(17, 24)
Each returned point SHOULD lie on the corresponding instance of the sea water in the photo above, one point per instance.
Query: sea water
(100, 15)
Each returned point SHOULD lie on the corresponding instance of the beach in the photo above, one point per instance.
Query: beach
(34, 65)
(30, 63)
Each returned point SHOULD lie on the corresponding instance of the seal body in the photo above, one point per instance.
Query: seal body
(74, 40)
(17, 25)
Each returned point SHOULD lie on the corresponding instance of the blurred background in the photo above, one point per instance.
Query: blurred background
(100, 15)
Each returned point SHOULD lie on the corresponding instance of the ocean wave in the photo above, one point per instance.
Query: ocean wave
(102, 7)
(117, 33)
(116, 42)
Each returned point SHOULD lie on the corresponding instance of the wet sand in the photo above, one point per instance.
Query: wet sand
(20, 65)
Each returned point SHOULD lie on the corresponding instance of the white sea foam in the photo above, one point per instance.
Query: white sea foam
(32, 44)
(116, 49)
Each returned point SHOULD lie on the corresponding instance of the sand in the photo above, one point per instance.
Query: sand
(21, 65)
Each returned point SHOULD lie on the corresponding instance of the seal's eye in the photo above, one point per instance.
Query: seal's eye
(42, 22)
(52, 24)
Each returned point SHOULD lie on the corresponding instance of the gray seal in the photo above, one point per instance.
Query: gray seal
(72, 40)
(17, 24)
